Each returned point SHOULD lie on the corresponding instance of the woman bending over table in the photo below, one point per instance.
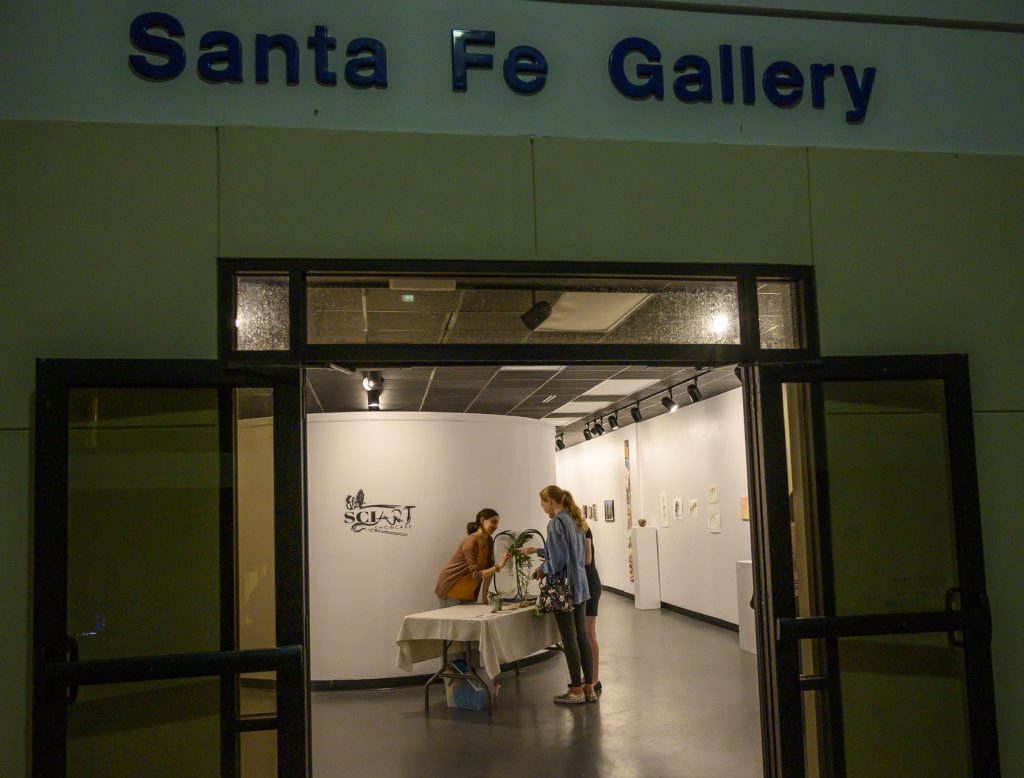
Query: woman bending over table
(472, 564)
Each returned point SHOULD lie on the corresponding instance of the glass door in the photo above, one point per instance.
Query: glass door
(169, 629)
(874, 628)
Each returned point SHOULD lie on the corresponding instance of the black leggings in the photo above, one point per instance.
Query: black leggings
(572, 628)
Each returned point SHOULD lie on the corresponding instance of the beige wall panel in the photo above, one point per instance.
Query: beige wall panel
(918, 253)
(1000, 464)
(108, 246)
(634, 201)
(311, 193)
(14, 601)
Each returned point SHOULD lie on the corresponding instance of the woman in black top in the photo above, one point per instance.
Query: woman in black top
(594, 584)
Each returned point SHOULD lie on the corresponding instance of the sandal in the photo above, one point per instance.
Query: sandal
(589, 693)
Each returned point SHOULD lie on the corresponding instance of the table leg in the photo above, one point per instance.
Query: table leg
(439, 675)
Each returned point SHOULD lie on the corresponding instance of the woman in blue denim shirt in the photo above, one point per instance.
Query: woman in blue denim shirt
(563, 555)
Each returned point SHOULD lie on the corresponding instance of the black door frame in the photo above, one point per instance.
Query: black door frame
(779, 626)
(56, 671)
(747, 352)
(299, 352)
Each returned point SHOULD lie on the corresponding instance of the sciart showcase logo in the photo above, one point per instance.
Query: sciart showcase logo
(389, 519)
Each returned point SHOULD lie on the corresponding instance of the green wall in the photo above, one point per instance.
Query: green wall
(109, 236)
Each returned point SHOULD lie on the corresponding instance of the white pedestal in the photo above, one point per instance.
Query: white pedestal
(744, 591)
(646, 577)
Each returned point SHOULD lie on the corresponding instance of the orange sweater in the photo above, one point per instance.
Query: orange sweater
(465, 566)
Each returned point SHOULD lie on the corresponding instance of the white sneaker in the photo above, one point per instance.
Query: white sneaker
(570, 699)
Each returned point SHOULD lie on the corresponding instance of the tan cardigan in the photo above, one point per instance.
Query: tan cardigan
(465, 561)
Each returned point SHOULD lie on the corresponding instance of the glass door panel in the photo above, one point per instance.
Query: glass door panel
(259, 755)
(160, 729)
(165, 492)
(143, 522)
(904, 706)
(870, 539)
(889, 497)
(254, 542)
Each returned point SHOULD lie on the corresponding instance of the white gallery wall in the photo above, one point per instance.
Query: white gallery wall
(427, 475)
(680, 454)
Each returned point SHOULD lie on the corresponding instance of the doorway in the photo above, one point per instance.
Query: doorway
(437, 338)
(445, 465)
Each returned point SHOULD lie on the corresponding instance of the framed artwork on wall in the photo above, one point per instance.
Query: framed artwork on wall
(609, 510)
(693, 508)
(714, 519)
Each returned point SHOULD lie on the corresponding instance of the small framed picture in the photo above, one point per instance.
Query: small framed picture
(609, 510)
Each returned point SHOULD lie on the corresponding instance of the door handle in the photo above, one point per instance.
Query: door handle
(71, 655)
(952, 595)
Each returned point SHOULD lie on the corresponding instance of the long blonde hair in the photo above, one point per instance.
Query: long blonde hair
(564, 498)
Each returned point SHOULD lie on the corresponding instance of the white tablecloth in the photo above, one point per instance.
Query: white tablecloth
(503, 636)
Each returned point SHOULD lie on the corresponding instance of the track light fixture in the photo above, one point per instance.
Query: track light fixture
(373, 380)
(613, 421)
(597, 427)
(694, 392)
(587, 434)
(537, 314)
(738, 373)
(559, 443)
(668, 402)
(635, 413)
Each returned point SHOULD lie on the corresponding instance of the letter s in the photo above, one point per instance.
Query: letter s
(154, 44)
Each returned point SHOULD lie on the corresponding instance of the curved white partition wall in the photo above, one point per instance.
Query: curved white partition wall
(421, 477)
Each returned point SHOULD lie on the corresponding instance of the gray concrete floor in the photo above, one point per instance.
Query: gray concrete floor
(680, 699)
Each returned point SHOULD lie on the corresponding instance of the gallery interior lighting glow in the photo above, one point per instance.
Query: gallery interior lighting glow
(719, 323)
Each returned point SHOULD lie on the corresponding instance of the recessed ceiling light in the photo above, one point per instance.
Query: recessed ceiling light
(579, 406)
(620, 387)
